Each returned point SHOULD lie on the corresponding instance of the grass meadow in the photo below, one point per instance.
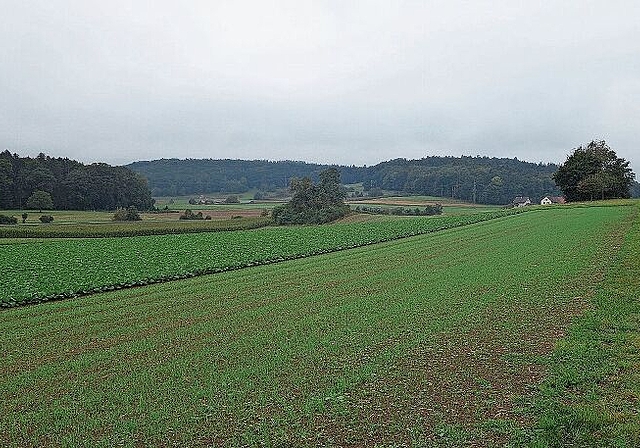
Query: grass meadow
(518, 331)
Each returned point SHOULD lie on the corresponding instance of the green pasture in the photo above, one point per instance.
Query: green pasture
(434, 340)
(457, 209)
(446, 209)
(449, 206)
(246, 202)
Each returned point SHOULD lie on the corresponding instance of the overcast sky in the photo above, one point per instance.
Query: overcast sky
(348, 82)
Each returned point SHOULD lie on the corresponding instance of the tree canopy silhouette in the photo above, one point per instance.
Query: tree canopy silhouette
(313, 203)
(594, 172)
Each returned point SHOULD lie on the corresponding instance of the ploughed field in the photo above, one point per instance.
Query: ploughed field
(521, 329)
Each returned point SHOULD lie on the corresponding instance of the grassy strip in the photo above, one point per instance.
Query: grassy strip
(118, 229)
(59, 269)
(311, 352)
(592, 395)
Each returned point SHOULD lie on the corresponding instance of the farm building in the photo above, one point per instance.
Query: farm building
(548, 200)
(521, 201)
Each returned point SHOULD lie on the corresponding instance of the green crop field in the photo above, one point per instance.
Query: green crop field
(449, 206)
(521, 331)
(62, 268)
(246, 202)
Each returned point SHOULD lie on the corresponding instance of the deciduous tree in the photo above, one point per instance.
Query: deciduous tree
(40, 200)
(313, 204)
(594, 172)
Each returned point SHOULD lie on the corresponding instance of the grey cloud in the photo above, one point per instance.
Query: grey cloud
(320, 81)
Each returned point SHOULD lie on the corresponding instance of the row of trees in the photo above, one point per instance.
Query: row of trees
(69, 184)
(428, 210)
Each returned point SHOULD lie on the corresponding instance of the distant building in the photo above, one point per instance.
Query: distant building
(521, 201)
(548, 200)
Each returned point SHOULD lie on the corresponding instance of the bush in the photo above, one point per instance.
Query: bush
(429, 210)
(232, 200)
(285, 215)
(127, 214)
(375, 193)
(189, 215)
(4, 219)
(46, 219)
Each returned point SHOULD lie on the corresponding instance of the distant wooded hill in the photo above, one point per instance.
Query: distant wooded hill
(475, 179)
(71, 184)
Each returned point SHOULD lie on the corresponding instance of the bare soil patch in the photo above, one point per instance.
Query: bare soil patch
(463, 380)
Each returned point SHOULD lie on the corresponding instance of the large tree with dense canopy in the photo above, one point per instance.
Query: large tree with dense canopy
(594, 172)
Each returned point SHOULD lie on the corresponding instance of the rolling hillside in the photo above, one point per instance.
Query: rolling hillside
(474, 179)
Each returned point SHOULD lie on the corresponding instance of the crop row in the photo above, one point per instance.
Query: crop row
(39, 271)
(117, 229)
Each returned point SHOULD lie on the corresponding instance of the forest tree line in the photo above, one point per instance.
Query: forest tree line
(71, 184)
(175, 177)
(75, 186)
(474, 179)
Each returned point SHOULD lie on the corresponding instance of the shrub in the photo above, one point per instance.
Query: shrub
(127, 214)
(24, 218)
(4, 219)
(232, 200)
(429, 210)
(46, 219)
(188, 214)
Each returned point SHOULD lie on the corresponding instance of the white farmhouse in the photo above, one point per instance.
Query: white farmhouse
(548, 200)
